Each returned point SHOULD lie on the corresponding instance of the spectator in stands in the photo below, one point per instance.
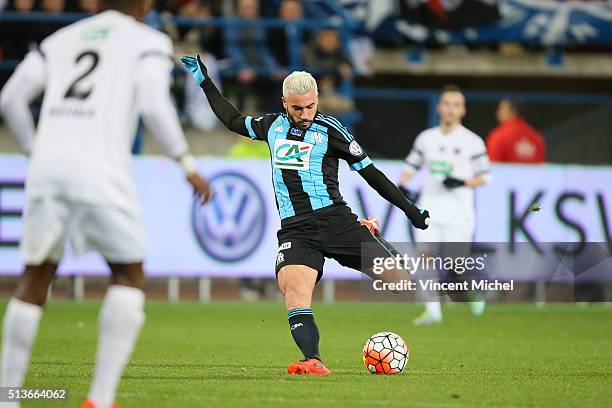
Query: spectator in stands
(289, 11)
(207, 37)
(53, 7)
(189, 40)
(514, 140)
(15, 37)
(22, 6)
(256, 69)
(325, 58)
(87, 6)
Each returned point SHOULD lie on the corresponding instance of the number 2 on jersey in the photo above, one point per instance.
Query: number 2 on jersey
(72, 91)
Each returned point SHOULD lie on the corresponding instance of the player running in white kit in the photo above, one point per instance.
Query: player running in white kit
(457, 162)
(98, 75)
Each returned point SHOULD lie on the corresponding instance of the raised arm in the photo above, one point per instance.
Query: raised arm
(223, 109)
(390, 192)
(348, 149)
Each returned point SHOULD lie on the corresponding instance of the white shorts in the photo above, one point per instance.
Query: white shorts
(433, 239)
(117, 234)
(459, 232)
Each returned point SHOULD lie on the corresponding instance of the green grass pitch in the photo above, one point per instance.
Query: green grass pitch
(235, 355)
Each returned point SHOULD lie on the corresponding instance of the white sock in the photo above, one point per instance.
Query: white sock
(434, 309)
(121, 317)
(18, 333)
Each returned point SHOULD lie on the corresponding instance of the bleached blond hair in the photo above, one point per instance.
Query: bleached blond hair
(299, 82)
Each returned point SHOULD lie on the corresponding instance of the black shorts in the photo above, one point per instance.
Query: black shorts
(333, 232)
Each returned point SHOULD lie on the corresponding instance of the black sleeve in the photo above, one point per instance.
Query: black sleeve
(387, 190)
(230, 117)
(347, 148)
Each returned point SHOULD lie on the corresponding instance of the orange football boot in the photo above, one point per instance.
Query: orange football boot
(310, 366)
(372, 224)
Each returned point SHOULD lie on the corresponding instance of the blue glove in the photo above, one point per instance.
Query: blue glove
(196, 67)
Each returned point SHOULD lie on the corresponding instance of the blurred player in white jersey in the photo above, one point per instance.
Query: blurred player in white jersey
(457, 162)
(98, 75)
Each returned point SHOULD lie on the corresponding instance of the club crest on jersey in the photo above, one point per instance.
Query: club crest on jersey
(295, 132)
(317, 137)
(292, 154)
(355, 149)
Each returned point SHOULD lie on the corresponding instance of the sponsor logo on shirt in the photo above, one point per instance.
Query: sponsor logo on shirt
(292, 154)
(440, 167)
(95, 33)
(295, 132)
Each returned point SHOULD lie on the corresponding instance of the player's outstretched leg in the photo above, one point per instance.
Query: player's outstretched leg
(296, 283)
(396, 274)
(433, 310)
(21, 321)
(431, 315)
(121, 318)
(477, 307)
(433, 307)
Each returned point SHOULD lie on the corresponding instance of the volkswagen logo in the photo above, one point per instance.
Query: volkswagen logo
(231, 226)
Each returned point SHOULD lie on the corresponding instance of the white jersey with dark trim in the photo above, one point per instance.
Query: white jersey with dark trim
(99, 74)
(460, 154)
